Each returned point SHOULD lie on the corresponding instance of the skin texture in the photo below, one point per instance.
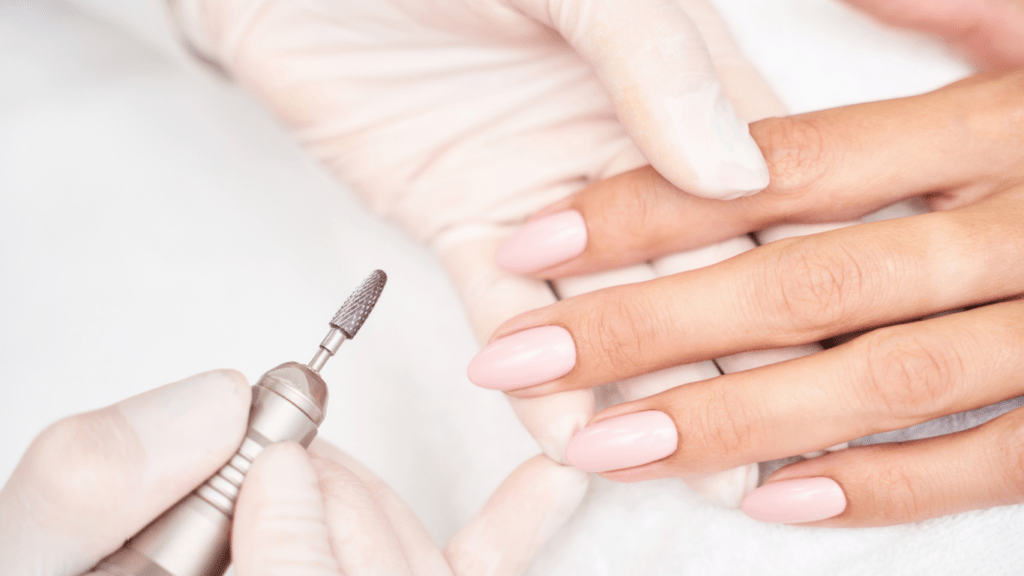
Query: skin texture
(960, 148)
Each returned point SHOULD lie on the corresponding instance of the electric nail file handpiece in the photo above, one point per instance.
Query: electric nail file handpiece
(288, 404)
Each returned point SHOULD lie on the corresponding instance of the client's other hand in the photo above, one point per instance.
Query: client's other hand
(960, 148)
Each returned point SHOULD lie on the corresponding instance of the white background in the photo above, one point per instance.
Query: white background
(155, 222)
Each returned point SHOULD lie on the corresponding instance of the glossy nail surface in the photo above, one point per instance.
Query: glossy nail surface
(543, 242)
(795, 501)
(524, 359)
(623, 442)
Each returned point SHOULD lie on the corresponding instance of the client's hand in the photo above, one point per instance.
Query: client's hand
(961, 149)
(457, 120)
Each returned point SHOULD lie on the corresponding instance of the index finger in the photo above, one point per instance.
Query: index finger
(955, 145)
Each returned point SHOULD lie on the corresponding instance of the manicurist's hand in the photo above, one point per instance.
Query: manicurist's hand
(961, 149)
(93, 480)
(324, 514)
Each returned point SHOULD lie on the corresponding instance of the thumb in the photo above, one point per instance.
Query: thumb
(656, 69)
(91, 481)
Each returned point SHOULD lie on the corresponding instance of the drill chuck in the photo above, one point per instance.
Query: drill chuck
(193, 537)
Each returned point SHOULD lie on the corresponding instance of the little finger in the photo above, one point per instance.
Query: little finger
(898, 483)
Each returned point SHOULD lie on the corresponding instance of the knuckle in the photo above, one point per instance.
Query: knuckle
(618, 334)
(632, 194)
(994, 110)
(794, 149)
(897, 498)
(811, 284)
(908, 375)
(79, 462)
(1008, 452)
(726, 425)
(1008, 96)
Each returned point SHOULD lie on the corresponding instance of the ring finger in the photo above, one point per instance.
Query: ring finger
(888, 379)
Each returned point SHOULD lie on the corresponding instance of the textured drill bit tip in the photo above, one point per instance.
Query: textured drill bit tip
(358, 306)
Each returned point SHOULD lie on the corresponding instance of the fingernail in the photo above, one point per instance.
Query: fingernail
(523, 359)
(795, 501)
(543, 242)
(623, 442)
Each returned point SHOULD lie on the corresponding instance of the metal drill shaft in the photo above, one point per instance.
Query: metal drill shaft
(350, 318)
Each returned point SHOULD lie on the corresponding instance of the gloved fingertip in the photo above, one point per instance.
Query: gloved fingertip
(728, 487)
(280, 522)
(706, 149)
(554, 419)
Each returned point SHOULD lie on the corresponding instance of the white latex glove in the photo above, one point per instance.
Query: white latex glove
(326, 515)
(91, 481)
(457, 120)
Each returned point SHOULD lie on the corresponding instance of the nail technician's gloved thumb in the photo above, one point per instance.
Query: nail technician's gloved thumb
(91, 481)
(654, 65)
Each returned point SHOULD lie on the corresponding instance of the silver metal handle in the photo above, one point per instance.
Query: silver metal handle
(193, 537)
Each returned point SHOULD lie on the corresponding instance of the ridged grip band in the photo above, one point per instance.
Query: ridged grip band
(193, 537)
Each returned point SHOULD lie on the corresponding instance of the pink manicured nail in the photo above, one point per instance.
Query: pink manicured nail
(795, 501)
(543, 242)
(623, 442)
(523, 359)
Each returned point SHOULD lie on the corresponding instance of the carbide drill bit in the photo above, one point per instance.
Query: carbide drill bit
(350, 318)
